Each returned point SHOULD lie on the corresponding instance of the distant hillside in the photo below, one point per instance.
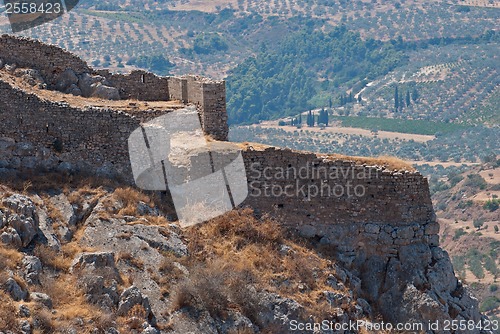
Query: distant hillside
(467, 204)
(274, 84)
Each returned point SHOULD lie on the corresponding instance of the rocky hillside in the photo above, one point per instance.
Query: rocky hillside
(467, 208)
(90, 256)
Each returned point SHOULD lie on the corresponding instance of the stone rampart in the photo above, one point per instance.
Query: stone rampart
(51, 61)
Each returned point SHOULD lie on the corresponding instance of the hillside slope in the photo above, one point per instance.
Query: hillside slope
(103, 258)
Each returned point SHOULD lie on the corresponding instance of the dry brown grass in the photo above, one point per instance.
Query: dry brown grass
(86, 191)
(45, 323)
(9, 258)
(236, 250)
(151, 221)
(129, 197)
(68, 299)
(49, 181)
(136, 316)
(7, 313)
(129, 259)
(382, 161)
(52, 211)
(50, 257)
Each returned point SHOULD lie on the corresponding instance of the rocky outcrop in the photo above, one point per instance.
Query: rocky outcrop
(32, 268)
(20, 220)
(12, 287)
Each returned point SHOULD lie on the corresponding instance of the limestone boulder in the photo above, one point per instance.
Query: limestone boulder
(32, 268)
(42, 299)
(93, 262)
(86, 81)
(65, 80)
(15, 290)
(132, 297)
(26, 228)
(20, 204)
(11, 238)
(104, 92)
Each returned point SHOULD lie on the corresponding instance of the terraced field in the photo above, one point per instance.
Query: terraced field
(125, 29)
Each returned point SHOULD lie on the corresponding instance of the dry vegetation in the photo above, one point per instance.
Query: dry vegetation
(236, 252)
(56, 282)
(383, 161)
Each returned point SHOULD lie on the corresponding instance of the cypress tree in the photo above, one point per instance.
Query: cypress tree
(396, 99)
(414, 94)
(321, 117)
(408, 99)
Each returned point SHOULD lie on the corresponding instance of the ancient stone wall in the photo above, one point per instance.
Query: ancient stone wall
(51, 61)
(138, 85)
(90, 138)
(339, 201)
(177, 88)
(214, 117)
(48, 59)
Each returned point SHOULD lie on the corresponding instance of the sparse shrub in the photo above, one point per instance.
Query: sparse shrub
(475, 265)
(206, 289)
(490, 265)
(42, 320)
(136, 317)
(459, 263)
(478, 223)
(476, 181)
(493, 288)
(52, 258)
(466, 204)
(459, 233)
(9, 258)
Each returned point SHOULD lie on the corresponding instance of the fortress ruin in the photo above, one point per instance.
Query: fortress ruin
(387, 234)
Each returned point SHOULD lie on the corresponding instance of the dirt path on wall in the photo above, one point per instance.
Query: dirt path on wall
(129, 106)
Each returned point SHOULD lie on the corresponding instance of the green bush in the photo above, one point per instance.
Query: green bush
(489, 304)
(478, 223)
(458, 263)
(209, 43)
(492, 205)
(459, 233)
(475, 264)
(476, 181)
(490, 265)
